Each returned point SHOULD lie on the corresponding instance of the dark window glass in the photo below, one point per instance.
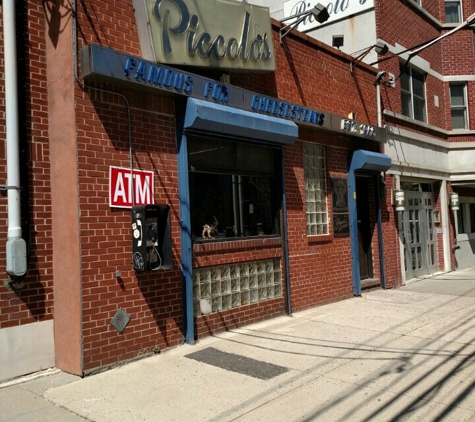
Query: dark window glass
(237, 185)
(458, 107)
(413, 101)
(452, 12)
(461, 225)
(472, 218)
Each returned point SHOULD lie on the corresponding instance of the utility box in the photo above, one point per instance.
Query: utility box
(16, 257)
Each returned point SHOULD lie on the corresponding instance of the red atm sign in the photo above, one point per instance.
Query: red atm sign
(121, 187)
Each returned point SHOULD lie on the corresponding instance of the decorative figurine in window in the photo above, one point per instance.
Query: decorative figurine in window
(210, 230)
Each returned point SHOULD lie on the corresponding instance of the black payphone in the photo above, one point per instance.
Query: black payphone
(151, 239)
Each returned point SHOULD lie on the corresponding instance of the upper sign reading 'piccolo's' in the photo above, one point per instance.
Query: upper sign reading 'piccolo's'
(223, 34)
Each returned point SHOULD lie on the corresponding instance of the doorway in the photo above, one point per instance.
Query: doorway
(419, 232)
(365, 235)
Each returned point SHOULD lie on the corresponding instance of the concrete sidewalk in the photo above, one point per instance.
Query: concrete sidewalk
(403, 354)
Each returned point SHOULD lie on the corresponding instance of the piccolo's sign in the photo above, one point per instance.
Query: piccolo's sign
(337, 9)
(223, 34)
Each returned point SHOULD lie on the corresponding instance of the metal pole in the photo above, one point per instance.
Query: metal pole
(16, 246)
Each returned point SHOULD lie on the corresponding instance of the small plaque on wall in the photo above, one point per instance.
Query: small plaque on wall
(339, 194)
(341, 224)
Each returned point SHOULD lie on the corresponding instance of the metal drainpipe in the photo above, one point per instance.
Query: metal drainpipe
(286, 240)
(382, 264)
(16, 245)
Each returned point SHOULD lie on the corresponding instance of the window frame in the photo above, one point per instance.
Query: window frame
(413, 72)
(317, 222)
(459, 10)
(233, 184)
(463, 107)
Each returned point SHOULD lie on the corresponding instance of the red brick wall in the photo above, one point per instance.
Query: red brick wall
(308, 73)
(31, 300)
(153, 300)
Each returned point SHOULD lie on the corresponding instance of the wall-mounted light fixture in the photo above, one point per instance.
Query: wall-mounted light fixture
(399, 200)
(338, 41)
(380, 48)
(319, 12)
(454, 201)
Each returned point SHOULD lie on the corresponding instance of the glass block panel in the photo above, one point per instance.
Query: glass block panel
(216, 288)
(226, 302)
(244, 283)
(225, 286)
(261, 267)
(244, 269)
(196, 277)
(269, 266)
(236, 300)
(216, 305)
(205, 291)
(225, 272)
(215, 273)
(235, 285)
(196, 292)
(196, 308)
(262, 293)
(269, 278)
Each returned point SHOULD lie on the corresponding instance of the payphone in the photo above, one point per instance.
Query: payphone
(151, 237)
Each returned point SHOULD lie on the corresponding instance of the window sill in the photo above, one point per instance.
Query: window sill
(227, 245)
(322, 238)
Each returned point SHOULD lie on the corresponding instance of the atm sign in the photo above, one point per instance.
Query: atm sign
(122, 189)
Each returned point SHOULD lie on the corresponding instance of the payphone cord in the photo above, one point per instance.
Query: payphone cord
(159, 258)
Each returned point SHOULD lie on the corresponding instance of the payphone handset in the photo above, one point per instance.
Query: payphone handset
(151, 242)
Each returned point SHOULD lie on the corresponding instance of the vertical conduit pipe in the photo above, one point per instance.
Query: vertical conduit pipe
(16, 246)
(286, 240)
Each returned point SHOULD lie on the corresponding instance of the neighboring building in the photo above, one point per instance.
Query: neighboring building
(265, 194)
(426, 107)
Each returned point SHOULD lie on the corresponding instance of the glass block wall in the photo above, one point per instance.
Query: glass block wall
(315, 189)
(229, 286)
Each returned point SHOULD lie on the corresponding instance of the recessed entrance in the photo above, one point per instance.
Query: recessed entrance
(418, 230)
(364, 227)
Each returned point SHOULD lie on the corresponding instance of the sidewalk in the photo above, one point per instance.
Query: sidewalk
(393, 355)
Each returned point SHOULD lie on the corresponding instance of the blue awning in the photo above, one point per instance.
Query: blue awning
(203, 116)
(371, 161)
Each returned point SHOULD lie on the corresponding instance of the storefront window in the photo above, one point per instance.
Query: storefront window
(315, 189)
(235, 188)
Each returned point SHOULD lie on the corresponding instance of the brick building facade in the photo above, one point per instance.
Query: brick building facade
(303, 204)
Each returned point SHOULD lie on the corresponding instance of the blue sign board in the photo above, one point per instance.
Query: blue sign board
(101, 63)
